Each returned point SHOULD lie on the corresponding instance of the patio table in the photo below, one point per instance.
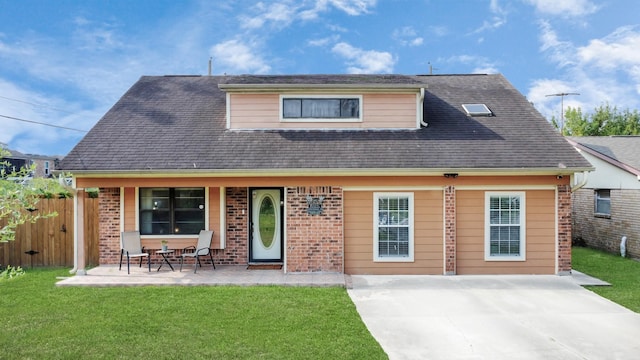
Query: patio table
(164, 258)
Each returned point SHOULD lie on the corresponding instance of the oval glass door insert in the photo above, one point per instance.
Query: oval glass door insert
(267, 221)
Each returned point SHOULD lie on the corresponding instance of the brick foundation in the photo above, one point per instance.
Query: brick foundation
(315, 242)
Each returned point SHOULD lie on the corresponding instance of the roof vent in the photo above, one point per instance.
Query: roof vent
(477, 110)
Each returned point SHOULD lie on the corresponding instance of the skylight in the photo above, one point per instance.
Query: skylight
(477, 110)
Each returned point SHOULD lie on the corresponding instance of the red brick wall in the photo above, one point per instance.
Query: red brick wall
(314, 242)
(450, 229)
(237, 237)
(109, 225)
(564, 229)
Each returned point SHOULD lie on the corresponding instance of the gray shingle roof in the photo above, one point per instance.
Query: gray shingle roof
(177, 123)
(624, 149)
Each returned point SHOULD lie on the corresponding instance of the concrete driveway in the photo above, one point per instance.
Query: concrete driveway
(493, 317)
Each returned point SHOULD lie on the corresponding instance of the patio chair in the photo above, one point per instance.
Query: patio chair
(131, 246)
(203, 248)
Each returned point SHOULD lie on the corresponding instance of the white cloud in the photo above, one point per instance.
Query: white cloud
(603, 70)
(234, 56)
(350, 7)
(479, 64)
(407, 36)
(280, 14)
(365, 61)
(617, 50)
(96, 37)
(22, 103)
(498, 18)
(324, 41)
(564, 8)
(560, 52)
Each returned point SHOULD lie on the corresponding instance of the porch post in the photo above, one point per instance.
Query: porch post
(78, 235)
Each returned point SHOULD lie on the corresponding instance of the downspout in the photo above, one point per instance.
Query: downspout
(421, 113)
(582, 183)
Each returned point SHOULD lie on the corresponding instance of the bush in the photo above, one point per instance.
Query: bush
(10, 272)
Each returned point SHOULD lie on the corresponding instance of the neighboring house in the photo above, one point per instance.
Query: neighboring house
(361, 174)
(17, 160)
(608, 206)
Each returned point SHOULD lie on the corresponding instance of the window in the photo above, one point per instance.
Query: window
(393, 227)
(46, 168)
(477, 109)
(172, 211)
(504, 226)
(603, 202)
(319, 108)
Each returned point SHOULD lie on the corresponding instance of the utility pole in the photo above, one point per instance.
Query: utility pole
(562, 95)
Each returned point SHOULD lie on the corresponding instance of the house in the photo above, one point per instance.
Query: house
(361, 174)
(17, 160)
(607, 207)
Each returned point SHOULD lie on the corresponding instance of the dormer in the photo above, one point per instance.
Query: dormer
(320, 102)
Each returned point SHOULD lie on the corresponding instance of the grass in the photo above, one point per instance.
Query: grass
(622, 273)
(42, 321)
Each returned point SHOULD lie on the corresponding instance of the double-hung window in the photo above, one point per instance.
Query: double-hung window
(172, 211)
(393, 227)
(321, 108)
(603, 202)
(505, 226)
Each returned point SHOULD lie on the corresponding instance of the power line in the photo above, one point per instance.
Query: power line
(41, 123)
(36, 104)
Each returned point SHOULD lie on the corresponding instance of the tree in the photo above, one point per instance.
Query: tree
(19, 196)
(604, 121)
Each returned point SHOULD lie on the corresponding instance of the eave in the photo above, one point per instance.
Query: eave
(324, 88)
(222, 173)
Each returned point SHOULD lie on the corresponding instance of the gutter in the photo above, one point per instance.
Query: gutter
(178, 173)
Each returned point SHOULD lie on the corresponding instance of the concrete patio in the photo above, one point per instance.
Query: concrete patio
(109, 275)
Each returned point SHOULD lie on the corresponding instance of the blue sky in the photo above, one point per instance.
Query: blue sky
(67, 62)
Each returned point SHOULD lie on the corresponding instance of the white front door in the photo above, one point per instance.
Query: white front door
(266, 226)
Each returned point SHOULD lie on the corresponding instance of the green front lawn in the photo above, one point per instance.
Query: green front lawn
(622, 273)
(42, 321)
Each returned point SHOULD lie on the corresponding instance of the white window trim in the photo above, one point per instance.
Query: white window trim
(376, 197)
(321, 120)
(487, 227)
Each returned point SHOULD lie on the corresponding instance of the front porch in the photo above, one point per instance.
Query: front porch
(239, 275)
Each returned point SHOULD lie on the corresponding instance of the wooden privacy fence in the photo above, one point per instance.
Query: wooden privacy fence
(49, 241)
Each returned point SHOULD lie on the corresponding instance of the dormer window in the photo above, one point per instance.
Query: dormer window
(321, 108)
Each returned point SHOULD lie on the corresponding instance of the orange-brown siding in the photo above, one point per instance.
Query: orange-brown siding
(428, 232)
(540, 235)
(262, 111)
